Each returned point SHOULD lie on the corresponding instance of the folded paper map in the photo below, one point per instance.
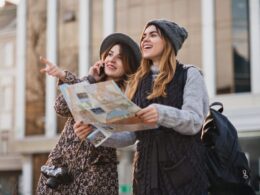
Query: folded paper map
(105, 107)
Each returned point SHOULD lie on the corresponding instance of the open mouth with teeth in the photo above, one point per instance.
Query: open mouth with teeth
(147, 46)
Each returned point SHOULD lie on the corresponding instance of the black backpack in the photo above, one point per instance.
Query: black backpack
(227, 165)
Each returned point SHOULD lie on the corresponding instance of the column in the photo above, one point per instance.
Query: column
(51, 51)
(254, 11)
(108, 17)
(20, 70)
(124, 172)
(27, 175)
(208, 45)
(84, 37)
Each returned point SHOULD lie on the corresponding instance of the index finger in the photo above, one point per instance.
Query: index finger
(145, 110)
(45, 61)
(141, 112)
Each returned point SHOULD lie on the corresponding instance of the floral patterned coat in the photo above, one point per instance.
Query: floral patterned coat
(94, 170)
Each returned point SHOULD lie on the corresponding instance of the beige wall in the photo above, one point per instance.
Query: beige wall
(68, 34)
(67, 41)
(35, 81)
(131, 17)
(224, 58)
(96, 29)
(67, 56)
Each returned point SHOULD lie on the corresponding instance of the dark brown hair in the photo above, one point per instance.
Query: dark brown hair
(127, 57)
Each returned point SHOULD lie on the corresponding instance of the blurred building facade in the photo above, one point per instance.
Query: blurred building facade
(10, 160)
(223, 41)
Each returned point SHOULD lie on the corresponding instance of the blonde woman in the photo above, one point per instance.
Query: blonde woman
(169, 159)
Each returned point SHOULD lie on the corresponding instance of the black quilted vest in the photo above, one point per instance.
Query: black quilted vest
(166, 162)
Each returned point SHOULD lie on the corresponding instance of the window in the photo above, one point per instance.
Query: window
(232, 46)
(240, 32)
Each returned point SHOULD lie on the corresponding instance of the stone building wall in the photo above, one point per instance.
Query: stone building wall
(67, 56)
(131, 17)
(35, 81)
(67, 41)
(9, 162)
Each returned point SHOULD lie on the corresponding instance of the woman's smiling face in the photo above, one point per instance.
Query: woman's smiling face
(114, 68)
(152, 44)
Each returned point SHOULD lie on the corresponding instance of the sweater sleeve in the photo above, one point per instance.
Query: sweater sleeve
(120, 139)
(61, 106)
(189, 119)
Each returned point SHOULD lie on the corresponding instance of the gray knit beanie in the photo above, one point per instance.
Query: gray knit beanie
(172, 31)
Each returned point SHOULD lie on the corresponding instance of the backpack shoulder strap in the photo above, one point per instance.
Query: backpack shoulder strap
(219, 104)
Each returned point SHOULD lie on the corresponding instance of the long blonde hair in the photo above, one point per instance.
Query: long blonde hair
(167, 67)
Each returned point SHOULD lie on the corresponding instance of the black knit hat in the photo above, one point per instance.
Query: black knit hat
(119, 38)
(172, 31)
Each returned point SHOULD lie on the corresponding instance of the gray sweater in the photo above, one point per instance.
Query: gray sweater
(187, 120)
